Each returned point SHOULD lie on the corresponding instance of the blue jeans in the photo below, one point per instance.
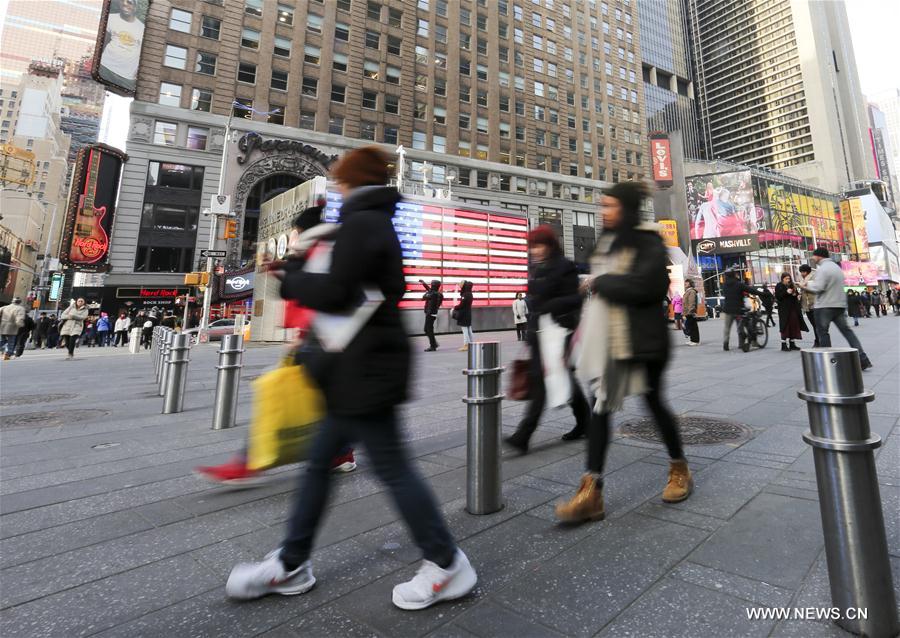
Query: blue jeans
(380, 436)
(824, 318)
(9, 341)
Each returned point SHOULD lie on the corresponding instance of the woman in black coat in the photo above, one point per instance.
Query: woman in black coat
(363, 385)
(854, 306)
(790, 321)
(462, 312)
(552, 290)
(624, 344)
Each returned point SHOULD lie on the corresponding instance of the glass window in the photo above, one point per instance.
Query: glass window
(482, 71)
(421, 82)
(520, 133)
(312, 54)
(373, 11)
(197, 137)
(310, 87)
(201, 100)
(369, 100)
(339, 62)
(481, 178)
(392, 75)
(370, 69)
(391, 104)
(180, 20)
(176, 57)
(465, 121)
(170, 94)
(418, 140)
(276, 115)
(285, 14)
(438, 143)
(422, 29)
(279, 80)
(441, 8)
(373, 39)
(465, 94)
(253, 7)
(367, 130)
(308, 120)
(390, 135)
(250, 38)
(210, 27)
(465, 16)
(482, 124)
(164, 133)
(247, 73)
(395, 17)
(343, 5)
(206, 63)
(440, 115)
(341, 31)
(336, 125)
(539, 89)
(338, 93)
(504, 130)
(440, 33)
(393, 44)
(282, 46)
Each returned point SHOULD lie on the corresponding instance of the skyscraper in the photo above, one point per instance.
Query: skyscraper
(888, 103)
(778, 88)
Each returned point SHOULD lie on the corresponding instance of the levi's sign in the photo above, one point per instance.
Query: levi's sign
(724, 245)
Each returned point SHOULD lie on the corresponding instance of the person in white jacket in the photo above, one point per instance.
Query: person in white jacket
(520, 316)
(123, 323)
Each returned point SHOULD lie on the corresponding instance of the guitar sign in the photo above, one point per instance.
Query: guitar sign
(89, 239)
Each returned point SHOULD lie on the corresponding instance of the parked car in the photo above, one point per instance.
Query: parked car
(217, 329)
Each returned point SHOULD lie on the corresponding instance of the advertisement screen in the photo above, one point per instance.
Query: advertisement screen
(669, 232)
(722, 206)
(860, 273)
(92, 202)
(860, 232)
(119, 41)
(661, 157)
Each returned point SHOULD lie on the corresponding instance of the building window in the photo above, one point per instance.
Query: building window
(282, 47)
(465, 94)
(311, 54)
(285, 15)
(210, 27)
(440, 86)
(339, 62)
(336, 125)
(393, 45)
(180, 20)
(418, 140)
(395, 17)
(504, 130)
(250, 38)
(482, 98)
(247, 73)
(373, 10)
(441, 8)
(369, 100)
(438, 143)
(308, 120)
(279, 80)
(253, 7)
(370, 69)
(422, 28)
(391, 104)
(343, 5)
(197, 138)
(481, 179)
(440, 33)
(314, 23)
(242, 107)
(338, 94)
(170, 94)
(367, 131)
(310, 87)
(481, 124)
(421, 82)
(392, 75)
(420, 110)
(164, 133)
(373, 39)
(465, 121)
(201, 100)
(176, 57)
(276, 115)
(481, 72)
(341, 31)
(206, 63)
(390, 135)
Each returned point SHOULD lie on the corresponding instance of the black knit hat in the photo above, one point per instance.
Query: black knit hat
(630, 194)
(821, 252)
(310, 217)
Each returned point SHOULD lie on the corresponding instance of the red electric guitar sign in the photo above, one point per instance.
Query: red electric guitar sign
(89, 239)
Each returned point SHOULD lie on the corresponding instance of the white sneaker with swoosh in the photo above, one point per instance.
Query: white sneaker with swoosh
(431, 584)
(254, 580)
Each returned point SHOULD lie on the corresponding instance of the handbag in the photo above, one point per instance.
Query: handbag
(287, 407)
(454, 314)
(519, 388)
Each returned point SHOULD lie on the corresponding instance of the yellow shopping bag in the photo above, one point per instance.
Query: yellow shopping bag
(287, 407)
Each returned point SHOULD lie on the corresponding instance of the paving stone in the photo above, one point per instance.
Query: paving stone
(666, 512)
(773, 539)
(324, 622)
(676, 608)
(722, 489)
(744, 588)
(581, 590)
(490, 620)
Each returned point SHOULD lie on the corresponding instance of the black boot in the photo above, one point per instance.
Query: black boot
(793, 346)
(784, 347)
(575, 433)
(519, 440)
(725, 347)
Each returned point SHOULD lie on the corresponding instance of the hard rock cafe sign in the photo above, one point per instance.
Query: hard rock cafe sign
(251, 142)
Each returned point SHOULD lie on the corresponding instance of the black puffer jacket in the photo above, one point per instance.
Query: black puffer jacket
(734, 290)
(372, 374)
(553, 290)
(643, 291)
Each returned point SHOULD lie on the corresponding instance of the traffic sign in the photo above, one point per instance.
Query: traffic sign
(215, 254)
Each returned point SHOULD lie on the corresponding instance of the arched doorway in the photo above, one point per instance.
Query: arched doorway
(261, 192)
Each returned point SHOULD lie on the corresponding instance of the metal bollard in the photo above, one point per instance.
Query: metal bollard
(160, 342)
(483, 409)
(164, 360)
(154, 340)
(859, 570)
(228, 381)
(134, 342)
(179, 357)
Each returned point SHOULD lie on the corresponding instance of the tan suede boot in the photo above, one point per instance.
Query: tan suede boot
(586, 505)
(680, 484)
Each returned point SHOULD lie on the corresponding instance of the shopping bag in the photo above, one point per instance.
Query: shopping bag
(287, 407)
(519, 387)
(557, 381)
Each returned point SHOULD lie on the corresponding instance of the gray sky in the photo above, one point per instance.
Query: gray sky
(875, 27)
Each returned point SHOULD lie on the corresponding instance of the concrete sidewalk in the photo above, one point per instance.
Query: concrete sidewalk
(106, 532)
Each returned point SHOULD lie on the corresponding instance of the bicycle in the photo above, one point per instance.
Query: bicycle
(752, 326)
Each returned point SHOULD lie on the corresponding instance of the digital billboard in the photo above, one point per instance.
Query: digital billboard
(856, 214)
(722, 205)
(92, 202)
(799, 214)
(120, 37)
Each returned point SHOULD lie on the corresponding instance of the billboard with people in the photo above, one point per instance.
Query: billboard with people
(722, 205)
(119, 41)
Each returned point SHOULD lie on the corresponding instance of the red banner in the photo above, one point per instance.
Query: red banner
(662, 159)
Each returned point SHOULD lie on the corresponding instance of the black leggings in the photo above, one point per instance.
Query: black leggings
(71, 342)
(598, 430)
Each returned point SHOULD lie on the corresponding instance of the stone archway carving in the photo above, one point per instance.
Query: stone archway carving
(287, 164)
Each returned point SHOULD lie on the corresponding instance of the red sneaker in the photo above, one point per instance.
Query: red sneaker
(234, 473)
(343, 463)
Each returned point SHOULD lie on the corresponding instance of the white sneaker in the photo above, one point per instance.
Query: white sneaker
(432, 584)
(346, 467)
(691, 343)
(254, 580)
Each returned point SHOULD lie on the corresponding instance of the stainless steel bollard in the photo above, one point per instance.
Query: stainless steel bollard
(179, 357)
(154, 340)
(227, 382)
(859, 570)
(164, 360)
(160, 342)
(483, 421)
